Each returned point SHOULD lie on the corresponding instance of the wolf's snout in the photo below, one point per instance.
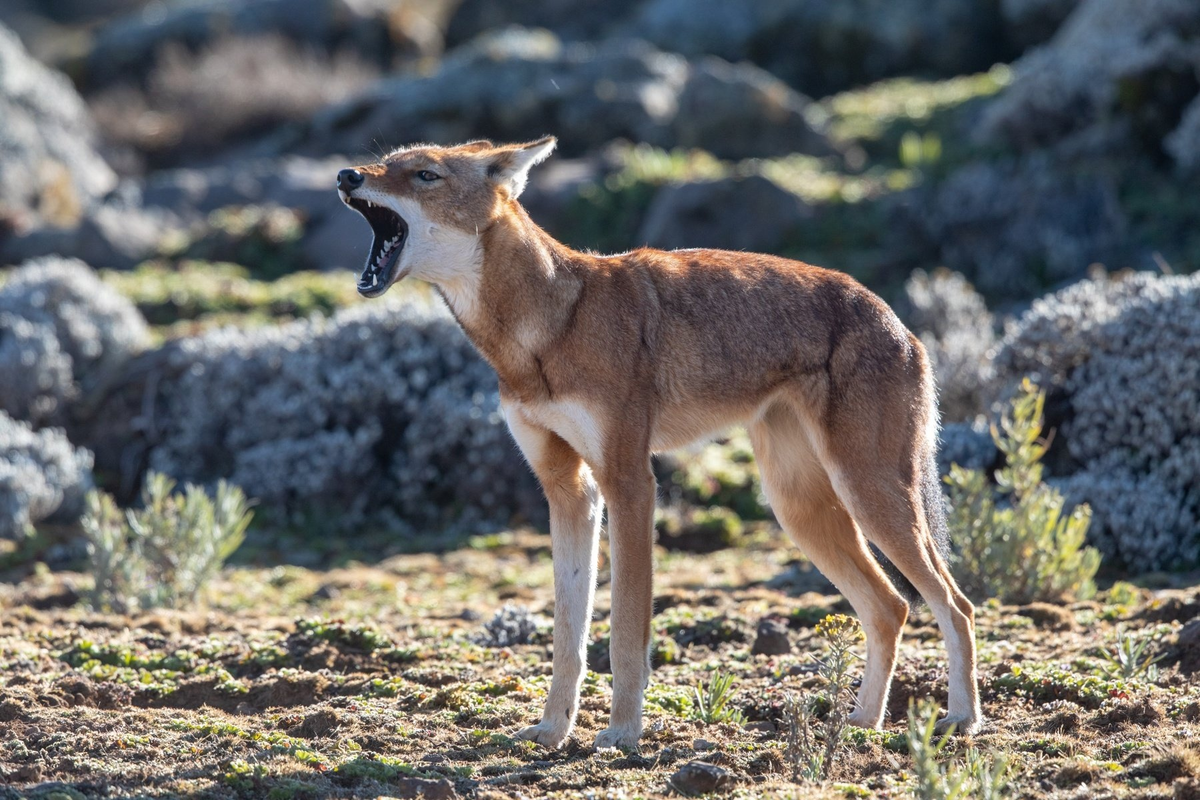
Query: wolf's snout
(349, 179)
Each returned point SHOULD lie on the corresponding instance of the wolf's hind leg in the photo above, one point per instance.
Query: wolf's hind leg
(808, 509)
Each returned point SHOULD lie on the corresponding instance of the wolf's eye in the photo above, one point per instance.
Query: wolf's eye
(428, 177)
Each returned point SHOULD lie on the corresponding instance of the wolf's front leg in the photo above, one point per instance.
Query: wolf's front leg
(630, 534)
(575, 511)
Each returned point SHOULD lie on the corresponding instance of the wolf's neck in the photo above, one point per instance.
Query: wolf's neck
(520, 301)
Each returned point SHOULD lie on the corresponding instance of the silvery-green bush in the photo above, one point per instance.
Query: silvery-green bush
(1125, 356)
(166, 552)
(63, 334)
(383, 414)
(958, 333)
(43, 477)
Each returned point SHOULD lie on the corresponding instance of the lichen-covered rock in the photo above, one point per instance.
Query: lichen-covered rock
(1017, 225)
(48, 167)
(43, 478)
(958, 332)
(749, 213)
(63, 334)
(1125, 354)
(522, 84)
(383, 413)
(1113, 62)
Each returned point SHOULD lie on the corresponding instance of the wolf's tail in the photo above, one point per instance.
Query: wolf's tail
(933, 505)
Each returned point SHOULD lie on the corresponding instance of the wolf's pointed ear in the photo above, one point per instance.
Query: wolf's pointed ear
(510, 166)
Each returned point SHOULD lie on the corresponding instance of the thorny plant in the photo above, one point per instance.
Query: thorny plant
(812, 741)
(166, 552)
(981, 777)
(1016, 542)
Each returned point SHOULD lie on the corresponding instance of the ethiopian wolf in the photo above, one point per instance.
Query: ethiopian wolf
(604, 360)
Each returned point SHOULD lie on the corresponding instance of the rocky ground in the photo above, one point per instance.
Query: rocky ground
(368, 680)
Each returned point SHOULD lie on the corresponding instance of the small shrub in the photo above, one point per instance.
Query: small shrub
(980, 778)
(711, 703)
(812, 743)
(165, 553)
(1015, 541)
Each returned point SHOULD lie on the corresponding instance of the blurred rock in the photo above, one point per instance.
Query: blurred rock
(573, 20)
(43, 478)
(824, 46)
(1183, 144)
(771, 638)
(750, 213)
(1133, 66)
(116, 234)
(520, 84)
(1031, 22)
(375, 30)
(49, 171)
(1015, 226)
(334, 237)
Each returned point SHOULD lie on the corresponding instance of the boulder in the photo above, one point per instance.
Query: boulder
(825, 46)
(1017, 225)
(1032, 22)
(374, 30)
(334, 237)
(1113, 64)
(520, 84)
(49, 169)
(573, 20)
(743, 213)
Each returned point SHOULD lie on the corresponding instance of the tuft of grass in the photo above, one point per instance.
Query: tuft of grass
(1016, 540)
(812, 742)
(166, 552)
(980, 777)
(710, 703)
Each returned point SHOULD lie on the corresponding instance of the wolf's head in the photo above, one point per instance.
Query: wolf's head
(427, 206)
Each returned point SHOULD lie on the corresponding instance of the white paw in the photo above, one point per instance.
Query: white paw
(963, 724)
(859, 719)
(545, 735)
(626, 738)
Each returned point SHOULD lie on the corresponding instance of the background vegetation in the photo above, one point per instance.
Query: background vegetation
(180, 339)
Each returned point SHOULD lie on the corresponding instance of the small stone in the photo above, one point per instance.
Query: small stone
(772, 638)
(698, 777)
(703, 745)
(434, 758)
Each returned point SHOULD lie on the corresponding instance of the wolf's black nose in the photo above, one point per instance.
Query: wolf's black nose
(349, 179)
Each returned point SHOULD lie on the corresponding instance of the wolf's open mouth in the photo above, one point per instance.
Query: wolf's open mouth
(391, 233)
